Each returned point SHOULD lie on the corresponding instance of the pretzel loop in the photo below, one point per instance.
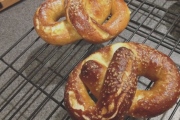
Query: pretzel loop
(76, 13)
(116, 93)
(110, 74)
(91, 28)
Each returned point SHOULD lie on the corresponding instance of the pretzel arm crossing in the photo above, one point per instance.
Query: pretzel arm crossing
(111, 75)
(118, 88)
(83, 19)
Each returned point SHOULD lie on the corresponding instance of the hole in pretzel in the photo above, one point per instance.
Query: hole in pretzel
(144, 83)
(92, 96)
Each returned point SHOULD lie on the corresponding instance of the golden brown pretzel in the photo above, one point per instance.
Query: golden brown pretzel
(60, 33)
(88, 26)
(131, 60)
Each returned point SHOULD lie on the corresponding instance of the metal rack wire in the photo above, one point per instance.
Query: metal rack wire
(32, 83)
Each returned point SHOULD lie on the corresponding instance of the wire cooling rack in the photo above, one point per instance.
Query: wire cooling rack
(33, 73)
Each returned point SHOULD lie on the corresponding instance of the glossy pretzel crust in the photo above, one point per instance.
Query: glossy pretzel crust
(61, 22)
(141, 60)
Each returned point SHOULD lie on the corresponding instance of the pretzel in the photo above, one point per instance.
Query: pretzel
(111, 74)
(90, 14)
(89, 27)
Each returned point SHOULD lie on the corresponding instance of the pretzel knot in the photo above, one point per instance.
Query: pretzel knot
(111, 73)
(85, 19)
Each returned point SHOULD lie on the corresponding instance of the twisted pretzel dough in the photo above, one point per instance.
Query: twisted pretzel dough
(89, 27)
(86, 16)
(115, 89)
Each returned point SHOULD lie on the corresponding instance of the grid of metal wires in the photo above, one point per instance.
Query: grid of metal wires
(34, 89)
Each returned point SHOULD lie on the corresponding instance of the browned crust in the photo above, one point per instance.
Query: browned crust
(76, 25)
(150, 63)
(49, 28)
(93, 30)
(115, 80)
